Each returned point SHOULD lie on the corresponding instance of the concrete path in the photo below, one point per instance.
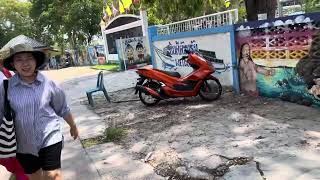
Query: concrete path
(107, 161)
(76, 163)
(115, 163)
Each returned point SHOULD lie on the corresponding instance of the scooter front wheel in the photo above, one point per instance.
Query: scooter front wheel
(210, 90)
(147, 98)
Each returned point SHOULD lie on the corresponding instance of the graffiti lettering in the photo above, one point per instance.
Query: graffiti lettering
(182, 63)
(179, 47)
(135, 39)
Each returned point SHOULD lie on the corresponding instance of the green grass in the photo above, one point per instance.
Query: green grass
(111, 134)
(92, 141)
(107, 67)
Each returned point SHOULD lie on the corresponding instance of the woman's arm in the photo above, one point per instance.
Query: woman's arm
(70, 120)
(73, 127)
(264, 71)
(59, 104)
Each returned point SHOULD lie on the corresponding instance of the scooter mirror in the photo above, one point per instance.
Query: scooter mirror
(187, 51)
(184, 57)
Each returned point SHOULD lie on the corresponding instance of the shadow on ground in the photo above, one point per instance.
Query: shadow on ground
(235, 137)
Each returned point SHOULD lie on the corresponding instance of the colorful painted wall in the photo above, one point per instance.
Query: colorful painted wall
(281, 58)
(216, 44)
(133, 52)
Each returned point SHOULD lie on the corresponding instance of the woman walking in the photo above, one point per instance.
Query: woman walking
(37, 103)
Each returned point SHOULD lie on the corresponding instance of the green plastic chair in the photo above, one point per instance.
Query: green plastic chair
(100, 87)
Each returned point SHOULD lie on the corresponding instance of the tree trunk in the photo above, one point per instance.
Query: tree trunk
(255, 7)
(72, 47)
(251, 9)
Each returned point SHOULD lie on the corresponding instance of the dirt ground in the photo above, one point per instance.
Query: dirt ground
(235, 137)
(60, 75)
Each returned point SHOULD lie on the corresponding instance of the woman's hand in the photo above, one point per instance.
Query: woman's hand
(74, 132)
(73, 127)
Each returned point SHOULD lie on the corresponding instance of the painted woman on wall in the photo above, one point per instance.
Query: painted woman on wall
(249, 71)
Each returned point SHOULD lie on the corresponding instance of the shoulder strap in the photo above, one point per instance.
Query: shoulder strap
(5, 86)
(8, 113)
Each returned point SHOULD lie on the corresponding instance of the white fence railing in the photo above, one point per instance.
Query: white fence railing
(209, 21)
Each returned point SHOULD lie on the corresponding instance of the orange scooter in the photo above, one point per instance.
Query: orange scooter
(155, 85)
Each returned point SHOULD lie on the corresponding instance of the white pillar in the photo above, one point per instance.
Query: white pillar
(105, 43)
(279, 8)
(144, 18)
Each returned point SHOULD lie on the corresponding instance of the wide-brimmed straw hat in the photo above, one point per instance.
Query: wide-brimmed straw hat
(8, 54)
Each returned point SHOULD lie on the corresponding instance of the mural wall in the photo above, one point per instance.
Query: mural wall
(96, 54)
(169, 52)
(133, 52)
(281, 58)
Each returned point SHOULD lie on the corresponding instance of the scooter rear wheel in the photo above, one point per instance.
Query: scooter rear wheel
(147, 98)
(210, 90)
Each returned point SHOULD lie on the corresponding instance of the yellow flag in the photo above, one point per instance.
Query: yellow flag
(227, 3)
(127, 3)
(108, 10)
(121, 8)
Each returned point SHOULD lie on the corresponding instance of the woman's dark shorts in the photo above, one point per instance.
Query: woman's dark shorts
(49, 159)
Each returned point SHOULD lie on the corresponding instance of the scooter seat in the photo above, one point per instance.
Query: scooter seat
(170, 73)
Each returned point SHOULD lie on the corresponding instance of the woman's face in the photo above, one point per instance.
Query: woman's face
(245, 51)
(25, 64)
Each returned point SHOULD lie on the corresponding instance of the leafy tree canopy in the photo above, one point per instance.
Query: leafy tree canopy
(74, 20)
(311, 5)
(14, 20)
